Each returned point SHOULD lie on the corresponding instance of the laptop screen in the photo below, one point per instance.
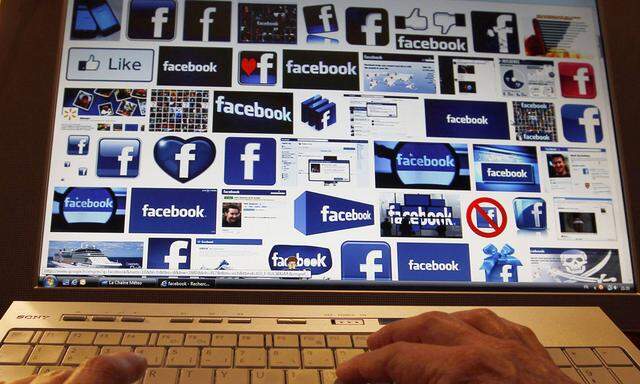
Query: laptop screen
(397, 145)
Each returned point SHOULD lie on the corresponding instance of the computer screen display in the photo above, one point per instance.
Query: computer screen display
(396, 145)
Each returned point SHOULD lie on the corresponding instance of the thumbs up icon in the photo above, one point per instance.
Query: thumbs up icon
(89, 65)
(414, 21)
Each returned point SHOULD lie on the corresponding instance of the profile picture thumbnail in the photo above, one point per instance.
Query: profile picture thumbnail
(558, 165)
(232, 215)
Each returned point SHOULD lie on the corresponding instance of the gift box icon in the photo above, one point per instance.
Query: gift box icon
(500, 266)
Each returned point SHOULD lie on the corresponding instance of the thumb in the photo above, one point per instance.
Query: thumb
(117, 368)
(397, 363)
(415, 13)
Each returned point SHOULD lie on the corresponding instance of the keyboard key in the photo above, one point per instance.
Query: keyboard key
(77, 354)
(343, 355)
(251, 340)
(267, 376)
(81, 338)
(46, 355)
(14, 353)
(154, 355)
(197, 340)
(339, 341)
(14, 372)
(51, 368)
(153, 339)
(627, 375)
(18, 337)
(232, 376)
(360, 341)
(303, 376)
(573, 374)
(135, 338)
(132, 319)
(614, 356)
(239, 320)
(284, 358)
(224, 340)
(74, 318)
(114, 349)
(251, 358)
(108, 338)
(183, 356)
(328, 376)
(170, 339)
(312, 341)
(217, 357)
(54, 337)
(196, 376)
(106, 319)
(285, 341)
(161, 376)
(598, 375)
(317, 358)
(558, 357)
(583, 357)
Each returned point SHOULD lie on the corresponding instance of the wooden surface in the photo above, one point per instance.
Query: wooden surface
(28, 52)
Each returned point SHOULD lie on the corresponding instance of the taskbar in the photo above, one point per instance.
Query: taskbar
(66, 281)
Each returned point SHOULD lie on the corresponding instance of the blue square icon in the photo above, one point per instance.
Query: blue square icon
(118, 157)
(169, 253)
(492, 213)
(318, 112)
(152, 19)
(581, 123)
(531, 213)
(78, 145)
(250, 161)
(366, 260)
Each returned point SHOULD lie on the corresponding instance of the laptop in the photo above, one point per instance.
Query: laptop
(286, 178)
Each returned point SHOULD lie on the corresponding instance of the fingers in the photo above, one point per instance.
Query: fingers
(117, 368)
(55, 377)
(487, 322)
(401, 363)
(436, 328)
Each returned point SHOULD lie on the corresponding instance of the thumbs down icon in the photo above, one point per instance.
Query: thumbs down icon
(446, 21)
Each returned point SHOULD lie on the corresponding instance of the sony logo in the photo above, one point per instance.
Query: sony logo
(33, 317)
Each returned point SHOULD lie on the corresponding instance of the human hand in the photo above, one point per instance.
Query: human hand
(117, 368)
(474, 346)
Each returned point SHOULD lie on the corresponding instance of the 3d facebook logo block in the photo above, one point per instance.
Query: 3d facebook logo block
(169, 253)
(152, 19)
(250, 161)
(366, 260)
(531, 213)
(118, 158)
(184, 159)
(581, 123)
(78, 145)
(318, 213)
(318, 112)
(320, 18)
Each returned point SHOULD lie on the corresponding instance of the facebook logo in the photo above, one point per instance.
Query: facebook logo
(492, 213)
(366, 260)
(531, 213)
(320, 18)
(506, 274)
(367, 26)
(250, 161)
(169, 253)
(152, 19)
(581, 123)
(118, 158)
(78, 145)
(184, 159)
(577, 80)
(207, 20)
(318, 112)
(258, 68)
(495, 32)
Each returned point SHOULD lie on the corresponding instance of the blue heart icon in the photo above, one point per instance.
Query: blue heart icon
(184, 159)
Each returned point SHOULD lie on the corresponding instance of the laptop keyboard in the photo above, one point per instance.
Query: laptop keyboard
(249, 358)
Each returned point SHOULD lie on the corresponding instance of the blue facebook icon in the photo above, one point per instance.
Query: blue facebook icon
(152, 19)
(169, 253)
(318, 112)
(118, 158)
(581, 123)
(78, 145)
(250, 161)
(492, 213)
(531, 213)
(366, 260)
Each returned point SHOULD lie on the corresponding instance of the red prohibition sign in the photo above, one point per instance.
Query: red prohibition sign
(497, 229)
